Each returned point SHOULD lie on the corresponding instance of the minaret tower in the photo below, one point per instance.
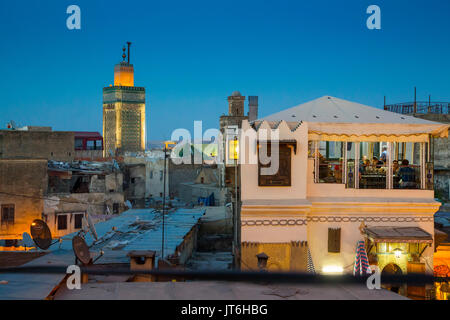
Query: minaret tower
(123, 111)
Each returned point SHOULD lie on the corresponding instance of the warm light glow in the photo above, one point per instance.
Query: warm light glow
(332, 269)
(398, 253)
(124, 75)
(233, 151)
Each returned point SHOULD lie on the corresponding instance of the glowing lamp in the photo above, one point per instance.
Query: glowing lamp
(234, 149)
(398, 253)
(332, 269)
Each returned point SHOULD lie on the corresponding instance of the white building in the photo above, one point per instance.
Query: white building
(326, 196)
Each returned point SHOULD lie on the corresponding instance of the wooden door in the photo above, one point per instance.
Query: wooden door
(417, 293)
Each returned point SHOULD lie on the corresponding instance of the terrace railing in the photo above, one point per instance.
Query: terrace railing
(419, 107)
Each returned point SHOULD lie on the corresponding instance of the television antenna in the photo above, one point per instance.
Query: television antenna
(91, 226)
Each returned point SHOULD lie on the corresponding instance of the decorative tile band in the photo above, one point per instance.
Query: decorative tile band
(300, 222)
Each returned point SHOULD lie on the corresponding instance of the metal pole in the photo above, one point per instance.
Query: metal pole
(415, 100)
(235, 198)
(164, 203)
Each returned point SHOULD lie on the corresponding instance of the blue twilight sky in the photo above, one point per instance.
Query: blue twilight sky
(190, 55)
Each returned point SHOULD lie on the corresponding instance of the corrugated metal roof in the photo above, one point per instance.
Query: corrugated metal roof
(398, 234)
(135, 229)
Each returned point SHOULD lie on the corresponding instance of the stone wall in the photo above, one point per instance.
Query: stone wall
(190, 192)
(441, 157)
(282, 256)
(23, 184)
(181, 173)
(50, 145)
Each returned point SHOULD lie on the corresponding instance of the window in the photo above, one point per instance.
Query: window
(8, 214)
(407, 165)
(151, 174)
(283, 175)
(334, 240)
(115, 208)
(78, 144)
(62, 222)
(98, 145)
(78, 223)
(330, 157)
(161, 175)
(373, 165)
(90, 145)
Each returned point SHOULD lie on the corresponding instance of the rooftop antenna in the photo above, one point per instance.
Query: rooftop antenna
(415, 100)
(129, 45)
(91, 226)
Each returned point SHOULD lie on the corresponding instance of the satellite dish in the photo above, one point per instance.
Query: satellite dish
(91, 226)
(81, 250)
(41, 234)
(27, 241)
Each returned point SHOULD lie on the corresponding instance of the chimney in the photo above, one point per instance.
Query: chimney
(142, 260)
(252, 108)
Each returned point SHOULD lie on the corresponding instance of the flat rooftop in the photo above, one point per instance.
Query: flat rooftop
(135, 229)
(218, 290)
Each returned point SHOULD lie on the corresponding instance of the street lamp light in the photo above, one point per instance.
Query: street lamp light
(166, 148)
(233, 154)
(398, 253)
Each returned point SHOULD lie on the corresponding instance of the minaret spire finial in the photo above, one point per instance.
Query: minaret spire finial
(129, 45)
(124, 55)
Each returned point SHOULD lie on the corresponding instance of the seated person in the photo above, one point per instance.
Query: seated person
(395, 167)
(376, 164)
(364, 167)
(407, 176)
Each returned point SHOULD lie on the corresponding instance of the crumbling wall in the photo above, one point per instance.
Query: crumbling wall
(94, 204)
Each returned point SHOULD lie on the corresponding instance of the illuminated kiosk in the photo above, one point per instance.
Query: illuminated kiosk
(341, 164)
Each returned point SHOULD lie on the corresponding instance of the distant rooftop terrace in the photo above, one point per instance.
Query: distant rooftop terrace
(421, 107)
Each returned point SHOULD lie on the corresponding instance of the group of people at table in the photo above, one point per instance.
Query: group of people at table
(373, 173)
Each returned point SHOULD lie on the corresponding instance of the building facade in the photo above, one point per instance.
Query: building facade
(123, 113)
(39, 144)
(23, 185)
(337, 182)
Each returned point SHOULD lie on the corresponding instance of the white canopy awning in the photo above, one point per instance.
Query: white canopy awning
(331, 118)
